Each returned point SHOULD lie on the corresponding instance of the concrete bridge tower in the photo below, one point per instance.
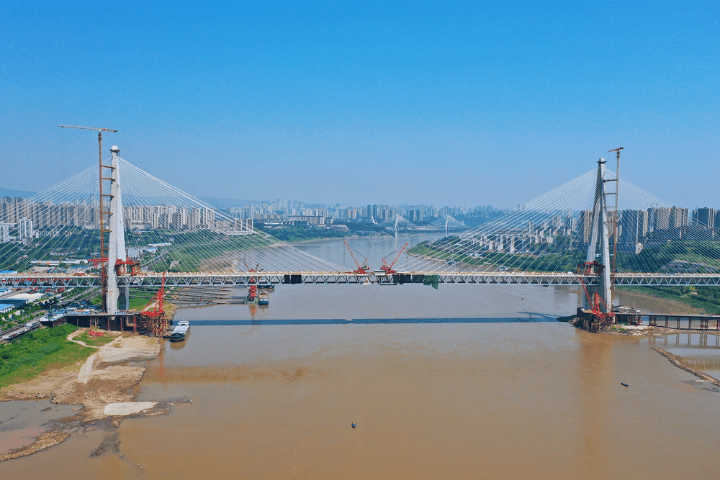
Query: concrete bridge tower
(116, 245)
(599, 246)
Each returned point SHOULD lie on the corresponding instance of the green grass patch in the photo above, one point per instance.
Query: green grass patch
(95, 341)
(34, 352)
(289, 233)
(139, 302)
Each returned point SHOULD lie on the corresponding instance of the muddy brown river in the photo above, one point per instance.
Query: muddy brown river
(461, 382)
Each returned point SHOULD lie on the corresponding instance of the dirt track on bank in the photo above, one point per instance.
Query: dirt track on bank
(102, 379)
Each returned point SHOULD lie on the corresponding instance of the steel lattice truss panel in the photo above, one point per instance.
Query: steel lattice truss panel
(324, 278)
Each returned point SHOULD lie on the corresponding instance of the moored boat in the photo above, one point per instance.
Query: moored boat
(180, 332)
(263, 299)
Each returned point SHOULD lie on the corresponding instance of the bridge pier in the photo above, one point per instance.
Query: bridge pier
(124, 297)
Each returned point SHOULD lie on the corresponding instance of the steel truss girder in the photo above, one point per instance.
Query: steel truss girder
(324, 278)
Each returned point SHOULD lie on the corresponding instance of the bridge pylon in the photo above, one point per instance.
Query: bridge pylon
(116, 244)
(599, 246)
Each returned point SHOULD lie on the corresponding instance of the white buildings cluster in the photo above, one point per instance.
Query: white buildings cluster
(291, 212)
(23, 221)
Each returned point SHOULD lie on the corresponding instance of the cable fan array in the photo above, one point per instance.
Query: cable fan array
(551, 234)
(166, 229)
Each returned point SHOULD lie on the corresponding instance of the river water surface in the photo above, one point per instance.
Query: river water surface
(465, 381)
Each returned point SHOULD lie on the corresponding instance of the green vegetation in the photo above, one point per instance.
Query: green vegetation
(24, 315)
(139, 298)
(34, 352)
(188, 250)
(289, 233)
(16, 256)
(94, 341)
(365, 229)
(686, 256)
(705, 298)
(543, 259)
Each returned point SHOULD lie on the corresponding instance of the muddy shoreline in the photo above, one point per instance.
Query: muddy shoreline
(104, 379)
(649, 331)
(680, 363)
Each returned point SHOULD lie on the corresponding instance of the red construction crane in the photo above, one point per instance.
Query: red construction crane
(594, 268)
(122, 267)
(154, 312)
(155, 308)
(361, 269)
(253, 284)
(388, 269)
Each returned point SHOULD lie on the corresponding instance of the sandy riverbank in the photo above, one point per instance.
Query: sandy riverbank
(103, 379)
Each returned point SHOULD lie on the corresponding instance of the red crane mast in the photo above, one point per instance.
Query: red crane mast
(252, 289)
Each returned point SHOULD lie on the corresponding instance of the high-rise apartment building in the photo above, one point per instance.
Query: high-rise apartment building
(25, 231)
(705, 217)
(659, 218)
(634, 225)
(679, 217)
(585, 226)
(4, 232)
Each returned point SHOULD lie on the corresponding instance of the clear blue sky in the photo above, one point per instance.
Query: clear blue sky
(443, 103)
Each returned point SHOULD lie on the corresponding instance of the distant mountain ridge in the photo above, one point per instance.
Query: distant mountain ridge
(6, 192)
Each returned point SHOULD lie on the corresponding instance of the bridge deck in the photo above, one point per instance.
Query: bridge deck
(315, 278)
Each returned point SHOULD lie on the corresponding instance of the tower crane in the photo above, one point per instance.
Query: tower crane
(617, 213)
(102, 212)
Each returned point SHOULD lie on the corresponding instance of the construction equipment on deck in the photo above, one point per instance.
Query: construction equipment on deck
(252, 289)
(388, 269)
(361, 269)
(124, 267)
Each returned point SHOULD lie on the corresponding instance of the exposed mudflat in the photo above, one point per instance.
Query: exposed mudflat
(104, 379)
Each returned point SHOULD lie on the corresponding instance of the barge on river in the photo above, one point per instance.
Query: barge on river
(180, 332)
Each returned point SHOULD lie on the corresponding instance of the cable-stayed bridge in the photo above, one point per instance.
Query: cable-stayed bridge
(155, 233)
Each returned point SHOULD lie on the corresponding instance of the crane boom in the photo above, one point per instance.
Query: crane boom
(388, 268)
(97, 129)
(360, 269)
